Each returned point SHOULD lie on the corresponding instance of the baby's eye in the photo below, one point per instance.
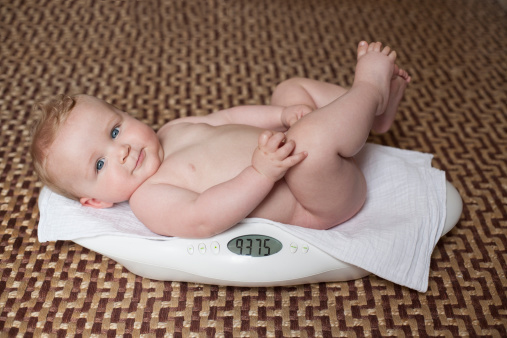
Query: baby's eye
(115, 132)
(100, 164)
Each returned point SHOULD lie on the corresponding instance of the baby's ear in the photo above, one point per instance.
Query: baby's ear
(94, 203)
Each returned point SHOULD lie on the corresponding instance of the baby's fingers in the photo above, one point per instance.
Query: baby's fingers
(295, 159)
(289, 160)
(275, 141)
(286, 149)
(271, 141)
(264, 137)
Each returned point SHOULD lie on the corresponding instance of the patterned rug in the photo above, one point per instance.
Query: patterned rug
(163, 59)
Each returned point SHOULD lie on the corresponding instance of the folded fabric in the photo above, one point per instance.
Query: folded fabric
(393, 236)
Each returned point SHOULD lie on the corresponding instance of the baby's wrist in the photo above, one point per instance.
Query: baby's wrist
(262, 174)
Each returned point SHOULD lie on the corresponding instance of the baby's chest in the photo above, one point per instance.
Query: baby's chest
(200, 166)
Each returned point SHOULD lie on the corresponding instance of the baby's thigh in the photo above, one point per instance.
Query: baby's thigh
(330, 188)
(280, 205)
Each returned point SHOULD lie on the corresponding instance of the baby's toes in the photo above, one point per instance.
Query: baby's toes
(392, 55)
(362, 48)
(375, 47)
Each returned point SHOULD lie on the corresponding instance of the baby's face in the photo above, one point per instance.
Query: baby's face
(102, 153)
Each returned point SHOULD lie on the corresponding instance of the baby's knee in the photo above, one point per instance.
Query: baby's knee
(294, 113)
(291, 92)
(291, 82)
(285, 86)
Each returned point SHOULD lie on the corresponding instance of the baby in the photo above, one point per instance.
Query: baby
(290, 162)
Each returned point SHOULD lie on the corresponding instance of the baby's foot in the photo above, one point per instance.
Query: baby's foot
(375, 67)
(399, 83)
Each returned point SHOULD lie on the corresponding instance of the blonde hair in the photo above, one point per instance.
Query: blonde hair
(52, 112)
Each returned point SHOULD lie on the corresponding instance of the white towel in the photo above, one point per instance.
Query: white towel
(393, 236)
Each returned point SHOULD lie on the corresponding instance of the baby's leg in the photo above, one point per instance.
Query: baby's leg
(399, 83)
(328, 184)
(312, 93)
(317, 94)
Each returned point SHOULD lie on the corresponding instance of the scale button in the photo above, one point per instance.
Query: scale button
(202, 248)
(305, 248)
(215, 247)
(190, 249)
(293, 247)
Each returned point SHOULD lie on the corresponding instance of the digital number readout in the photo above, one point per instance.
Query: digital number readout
(254, 245)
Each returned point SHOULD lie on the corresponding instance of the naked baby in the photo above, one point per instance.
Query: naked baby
(290, 162)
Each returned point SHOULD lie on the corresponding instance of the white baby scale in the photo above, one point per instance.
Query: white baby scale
(252, 254)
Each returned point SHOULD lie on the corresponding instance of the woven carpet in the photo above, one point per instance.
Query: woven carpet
(163, 59)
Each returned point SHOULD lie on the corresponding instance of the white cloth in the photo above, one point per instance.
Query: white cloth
(393, 236)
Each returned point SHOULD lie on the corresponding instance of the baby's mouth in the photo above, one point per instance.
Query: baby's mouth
(140, 159)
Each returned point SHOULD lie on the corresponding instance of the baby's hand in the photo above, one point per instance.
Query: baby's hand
(273, 158)
(292, 114)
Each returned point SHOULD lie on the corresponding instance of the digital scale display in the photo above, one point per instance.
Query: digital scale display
(254, 245)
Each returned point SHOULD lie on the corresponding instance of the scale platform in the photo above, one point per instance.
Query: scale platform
(251, 254)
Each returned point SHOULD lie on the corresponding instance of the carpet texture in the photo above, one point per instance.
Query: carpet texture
(160, 60)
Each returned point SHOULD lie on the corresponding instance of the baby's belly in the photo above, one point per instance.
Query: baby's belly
(211, 161)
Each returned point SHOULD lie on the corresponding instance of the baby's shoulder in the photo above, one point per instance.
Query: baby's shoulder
(157, 192)
(172, 126)
(185, 124)
(151, 188)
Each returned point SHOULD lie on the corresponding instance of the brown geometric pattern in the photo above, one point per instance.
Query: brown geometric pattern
(163, 59)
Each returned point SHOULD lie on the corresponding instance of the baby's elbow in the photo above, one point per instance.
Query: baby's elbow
(204, 230)
(195, 228)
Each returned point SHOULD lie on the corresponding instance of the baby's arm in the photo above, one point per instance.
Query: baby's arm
(276, 118)
(175, 211)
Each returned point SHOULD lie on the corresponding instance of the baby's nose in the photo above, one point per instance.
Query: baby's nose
(124, 153)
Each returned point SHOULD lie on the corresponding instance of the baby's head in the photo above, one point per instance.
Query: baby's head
(90, 151)
(51, 113)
